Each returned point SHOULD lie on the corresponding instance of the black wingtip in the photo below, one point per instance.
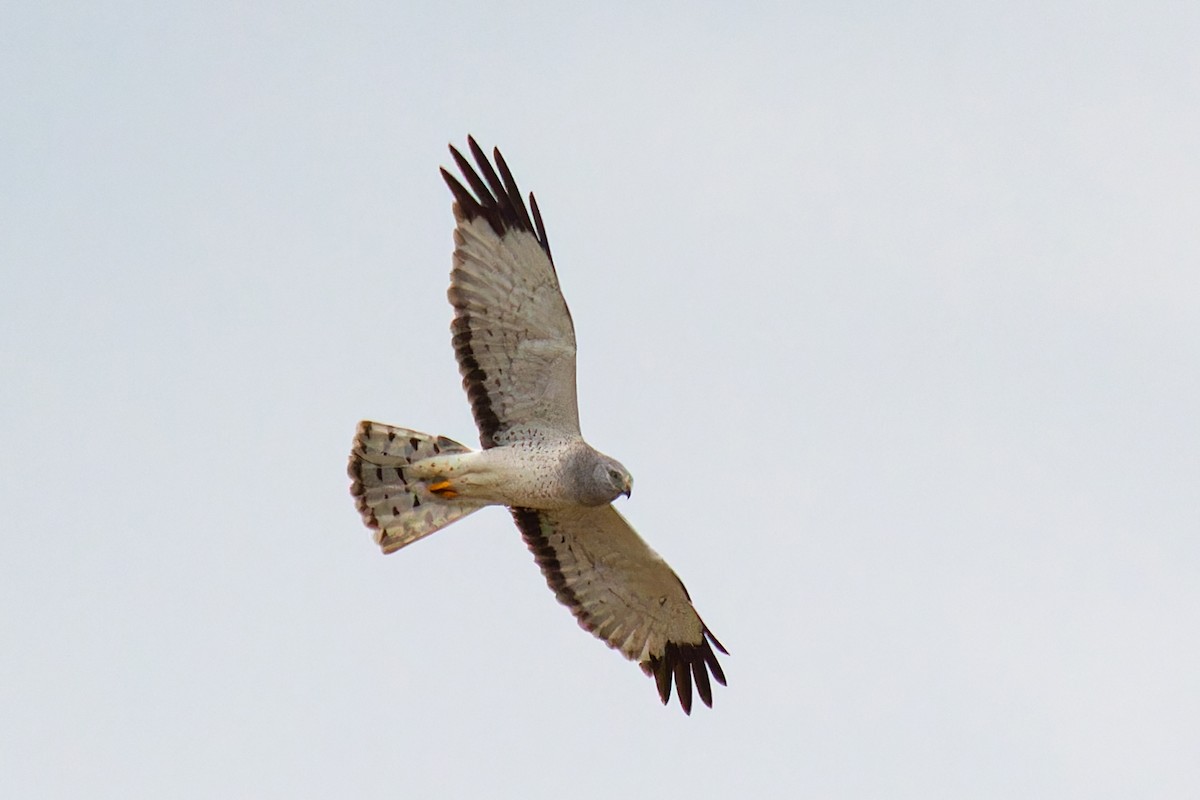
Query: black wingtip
(513, 192)
(496, 196)
(662, 676)
(541, 226)
(714, 666)
(683, 679)
(685, 666)
(467, 204)
(703, 687)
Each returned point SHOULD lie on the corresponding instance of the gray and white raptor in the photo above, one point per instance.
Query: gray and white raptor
(515, 344)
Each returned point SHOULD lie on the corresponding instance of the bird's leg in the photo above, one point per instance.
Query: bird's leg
(443, 489)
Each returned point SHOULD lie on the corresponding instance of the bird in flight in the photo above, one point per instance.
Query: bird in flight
(515, 344)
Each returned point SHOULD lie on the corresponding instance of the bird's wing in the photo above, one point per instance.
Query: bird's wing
(512, 332)
(625, 594)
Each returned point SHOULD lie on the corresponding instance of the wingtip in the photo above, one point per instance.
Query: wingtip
(683, 682)
(496, 196)
(662, 677)
(703, 686)
(479, 154)
(689, 669)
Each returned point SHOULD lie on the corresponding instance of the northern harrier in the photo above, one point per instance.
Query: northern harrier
(515, 345)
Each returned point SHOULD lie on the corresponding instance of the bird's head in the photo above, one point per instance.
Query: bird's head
(613, 477)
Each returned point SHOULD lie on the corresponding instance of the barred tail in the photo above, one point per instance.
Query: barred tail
(399, 508)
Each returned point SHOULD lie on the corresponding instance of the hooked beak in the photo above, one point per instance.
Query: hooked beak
(628, 488)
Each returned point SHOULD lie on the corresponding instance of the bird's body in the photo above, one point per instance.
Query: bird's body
(543, 473)
(515, 344)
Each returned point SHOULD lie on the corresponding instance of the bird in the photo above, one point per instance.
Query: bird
(514, 340)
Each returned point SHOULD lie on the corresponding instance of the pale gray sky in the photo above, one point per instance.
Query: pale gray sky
(891, 310)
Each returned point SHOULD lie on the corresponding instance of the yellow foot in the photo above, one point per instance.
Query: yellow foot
(443, 489)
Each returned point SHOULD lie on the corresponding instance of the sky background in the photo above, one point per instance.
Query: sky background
(891, 310)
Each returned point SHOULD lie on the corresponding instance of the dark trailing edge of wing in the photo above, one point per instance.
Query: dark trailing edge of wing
(474, 381)
(530, 524)
(496, 197)
(680, 663)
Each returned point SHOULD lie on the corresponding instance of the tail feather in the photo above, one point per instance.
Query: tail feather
(398, 507)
